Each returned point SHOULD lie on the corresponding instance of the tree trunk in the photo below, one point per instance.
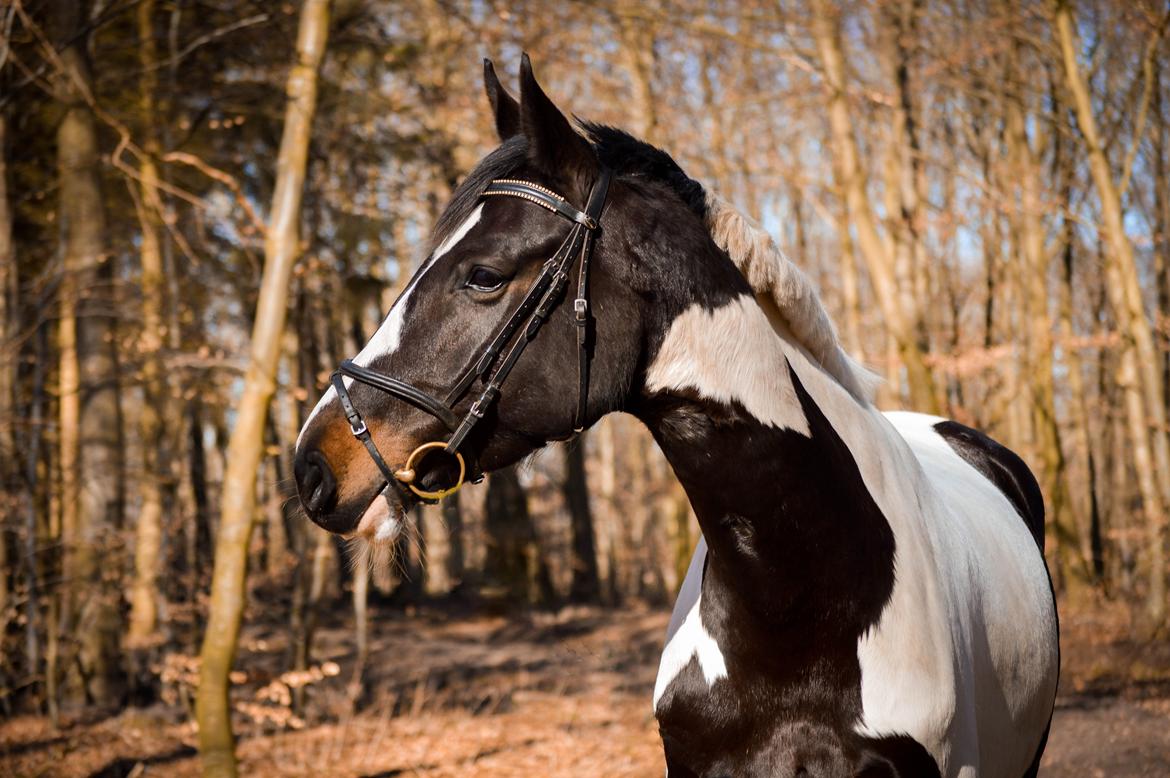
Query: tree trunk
(1083, 485)
(9, 348)
(1162, 232)
(902, 325)
(9, 359)
(361, 619)
(144, 592)
(850, 289)
(1046, 444)
(510, 569)
(245, 448)
(89, 412)
(586, 584)
(1084, 490)
(1140, 375)
(606, 431)
(452, 514)
(905, 180)
(637, 51)
(316, 589)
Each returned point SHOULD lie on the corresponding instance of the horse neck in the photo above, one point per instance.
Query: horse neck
(750, 426)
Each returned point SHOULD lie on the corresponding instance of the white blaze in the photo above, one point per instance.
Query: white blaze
(388, 336)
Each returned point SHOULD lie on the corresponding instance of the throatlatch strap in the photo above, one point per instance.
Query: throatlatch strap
(581, 305)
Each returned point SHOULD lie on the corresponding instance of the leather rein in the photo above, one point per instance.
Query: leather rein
(529, 316)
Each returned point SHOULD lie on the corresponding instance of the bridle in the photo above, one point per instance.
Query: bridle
(533, 311)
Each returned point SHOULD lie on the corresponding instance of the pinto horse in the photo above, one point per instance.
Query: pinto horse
(870, 595)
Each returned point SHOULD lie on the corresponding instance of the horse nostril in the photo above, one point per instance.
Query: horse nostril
(316, 484)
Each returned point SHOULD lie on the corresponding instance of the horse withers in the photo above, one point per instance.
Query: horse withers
(870, 596)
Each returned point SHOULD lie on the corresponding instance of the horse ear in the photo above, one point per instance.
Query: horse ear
(553, 145)
(504, 106)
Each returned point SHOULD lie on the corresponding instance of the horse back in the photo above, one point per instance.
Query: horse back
(1003, 467)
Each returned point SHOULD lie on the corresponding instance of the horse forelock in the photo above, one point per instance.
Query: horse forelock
(778, 283)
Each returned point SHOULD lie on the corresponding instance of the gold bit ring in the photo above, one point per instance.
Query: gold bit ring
(406, 473)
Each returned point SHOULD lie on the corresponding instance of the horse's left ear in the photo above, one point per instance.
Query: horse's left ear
(504, 106)
(553, 145)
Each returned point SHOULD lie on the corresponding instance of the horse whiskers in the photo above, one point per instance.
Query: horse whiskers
(410, 535)
(383, 555)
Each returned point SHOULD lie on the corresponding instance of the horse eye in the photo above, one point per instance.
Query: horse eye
(484, 279)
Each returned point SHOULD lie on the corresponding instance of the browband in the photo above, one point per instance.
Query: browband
(534, 193)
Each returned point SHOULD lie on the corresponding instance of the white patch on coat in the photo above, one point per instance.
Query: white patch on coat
(963, 657)
(378, 513)
(729, 354)
(459, 234)
(388, 337)
(780, 284)
(683, 640)
(690, 640)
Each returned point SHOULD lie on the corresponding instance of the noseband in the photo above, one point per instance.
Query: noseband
(543, 296)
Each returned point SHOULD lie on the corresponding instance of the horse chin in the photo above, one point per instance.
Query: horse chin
(384, 518)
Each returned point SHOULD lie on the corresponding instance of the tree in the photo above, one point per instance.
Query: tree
(1140, 376)
(904, 325)
(89, 408)
(1024, 168)
(148, 541)
(9, 462)
(585, 584)
(213, 711)
(513, 565)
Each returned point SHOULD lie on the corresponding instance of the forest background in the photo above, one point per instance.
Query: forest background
(206, 204)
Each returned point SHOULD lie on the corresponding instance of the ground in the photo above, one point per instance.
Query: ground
(451, 692)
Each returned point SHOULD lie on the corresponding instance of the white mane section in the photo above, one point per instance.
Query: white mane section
(783, 289)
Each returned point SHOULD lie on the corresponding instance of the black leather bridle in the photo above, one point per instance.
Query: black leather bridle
(542, 298)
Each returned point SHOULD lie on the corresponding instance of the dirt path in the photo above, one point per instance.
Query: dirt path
(562, 695)
(1115, 738)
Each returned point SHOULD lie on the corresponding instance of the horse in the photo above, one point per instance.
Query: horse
(869, 596)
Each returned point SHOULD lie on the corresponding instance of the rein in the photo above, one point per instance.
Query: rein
(533, 311)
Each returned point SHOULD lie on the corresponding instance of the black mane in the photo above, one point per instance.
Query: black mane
(621, 152)
(627, 156)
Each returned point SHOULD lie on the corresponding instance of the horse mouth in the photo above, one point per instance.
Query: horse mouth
(384, 518)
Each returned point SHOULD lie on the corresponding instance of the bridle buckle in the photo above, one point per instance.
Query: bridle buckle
(581, 308)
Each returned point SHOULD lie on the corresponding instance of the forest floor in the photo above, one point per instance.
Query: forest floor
(448, 692)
